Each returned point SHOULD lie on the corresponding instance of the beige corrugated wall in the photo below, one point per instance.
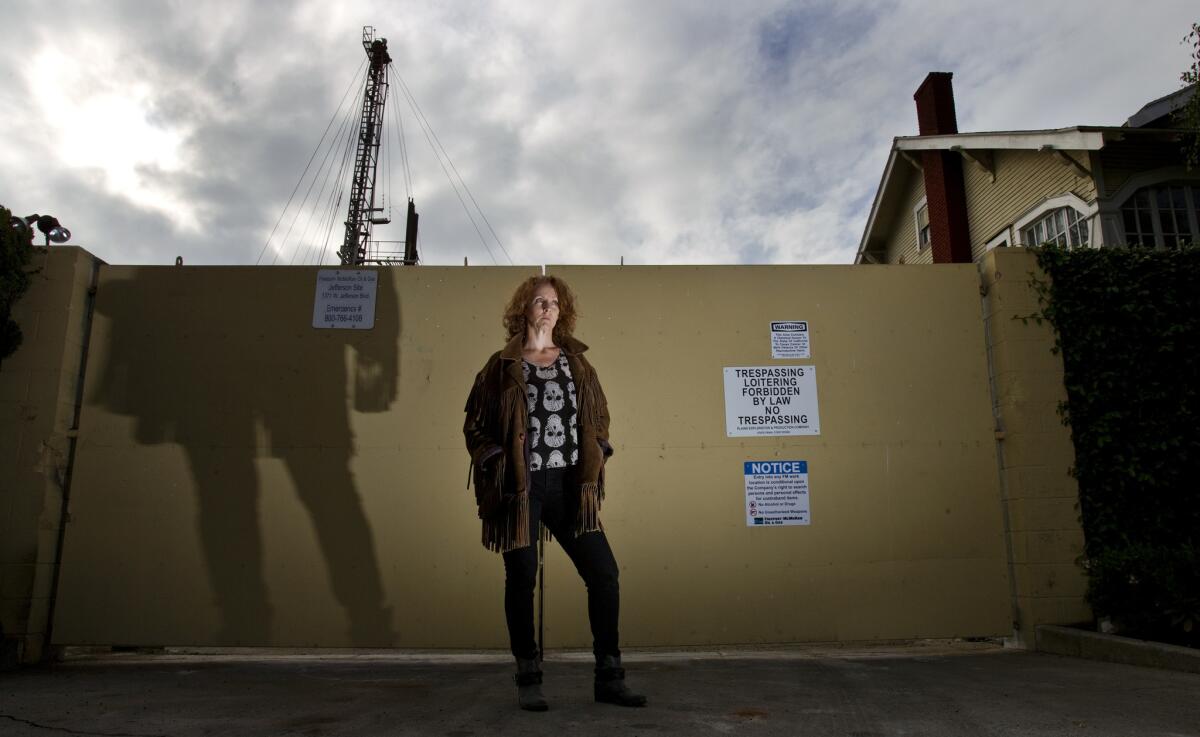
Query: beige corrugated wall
(1041, 498)
(38, 388)
(245, 479)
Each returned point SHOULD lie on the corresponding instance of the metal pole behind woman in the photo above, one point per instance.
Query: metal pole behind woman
(542, 590)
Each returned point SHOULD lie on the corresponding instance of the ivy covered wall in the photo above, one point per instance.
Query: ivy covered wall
(1128, 328)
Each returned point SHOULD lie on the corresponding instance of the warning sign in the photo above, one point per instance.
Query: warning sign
(345, 299)
(789, 339)
(771, 400)
(776, 493)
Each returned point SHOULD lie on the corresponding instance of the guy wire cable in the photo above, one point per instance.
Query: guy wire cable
(408, 189)
(316, 206)
(333, 148)
(328, 214)
(316, 201)
(343, 178)
(385, 151)
(460, 179)
(299, 181)
(404, 153)
(421, 116)
(427, 130)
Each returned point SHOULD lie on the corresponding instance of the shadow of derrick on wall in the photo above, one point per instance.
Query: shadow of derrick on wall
(232, 373)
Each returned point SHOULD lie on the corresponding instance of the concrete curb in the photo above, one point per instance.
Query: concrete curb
(1114, 649)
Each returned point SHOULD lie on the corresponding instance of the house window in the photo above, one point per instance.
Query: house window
(1162, 216)
(1064, 226)
(922, 227)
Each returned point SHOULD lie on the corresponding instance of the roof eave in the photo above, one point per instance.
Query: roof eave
(1070, 139)
(879, 193)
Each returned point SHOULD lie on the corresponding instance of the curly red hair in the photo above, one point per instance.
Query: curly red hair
(514, 314)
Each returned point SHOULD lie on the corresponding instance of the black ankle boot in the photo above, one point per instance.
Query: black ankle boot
(529, 685)
(610, 685)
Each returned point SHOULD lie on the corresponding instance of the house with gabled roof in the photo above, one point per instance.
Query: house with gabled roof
(950, 197)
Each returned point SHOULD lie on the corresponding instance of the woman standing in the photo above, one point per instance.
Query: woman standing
(537, 431)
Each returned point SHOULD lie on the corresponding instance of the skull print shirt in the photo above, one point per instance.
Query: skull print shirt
(553, 438)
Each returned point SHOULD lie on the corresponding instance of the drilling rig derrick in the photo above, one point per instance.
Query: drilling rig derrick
(363, 213)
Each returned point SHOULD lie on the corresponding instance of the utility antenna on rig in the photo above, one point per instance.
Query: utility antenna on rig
(363, 212)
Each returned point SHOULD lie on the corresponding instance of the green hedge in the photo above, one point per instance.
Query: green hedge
(1128, 329)
(16, 248)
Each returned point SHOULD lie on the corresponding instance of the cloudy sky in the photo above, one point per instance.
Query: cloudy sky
(661, 131)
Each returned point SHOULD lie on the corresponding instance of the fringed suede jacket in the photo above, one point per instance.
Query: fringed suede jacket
(497, 439)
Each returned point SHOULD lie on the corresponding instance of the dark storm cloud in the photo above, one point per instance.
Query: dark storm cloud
(669, 132)
(248, 131)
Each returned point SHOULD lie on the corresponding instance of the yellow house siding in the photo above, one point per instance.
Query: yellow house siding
(902, 239)
(1023, 179)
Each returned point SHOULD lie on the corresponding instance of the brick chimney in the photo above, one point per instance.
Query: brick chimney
(945, 194)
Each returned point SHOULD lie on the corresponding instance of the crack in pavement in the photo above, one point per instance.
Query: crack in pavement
(75, 731)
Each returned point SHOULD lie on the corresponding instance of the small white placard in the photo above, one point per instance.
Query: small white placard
(771, 400)
(789, 339)
(776, 493)
(345, 299)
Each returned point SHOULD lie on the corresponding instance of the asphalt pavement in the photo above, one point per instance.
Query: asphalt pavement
(923, 688)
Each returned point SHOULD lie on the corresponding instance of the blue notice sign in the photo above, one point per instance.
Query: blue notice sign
(776, 493)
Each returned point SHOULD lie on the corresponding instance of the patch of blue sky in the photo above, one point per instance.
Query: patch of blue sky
(804, 30)
(752, 252)
(787, 198)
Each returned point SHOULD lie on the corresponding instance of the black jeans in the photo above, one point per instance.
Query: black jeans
(589, 552)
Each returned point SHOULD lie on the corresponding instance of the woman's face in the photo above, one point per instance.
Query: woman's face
(542, 312)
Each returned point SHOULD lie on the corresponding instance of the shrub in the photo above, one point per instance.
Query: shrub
(16, 248)
(1128, 329)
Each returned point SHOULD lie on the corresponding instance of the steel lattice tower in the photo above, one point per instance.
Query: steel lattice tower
(362, 211)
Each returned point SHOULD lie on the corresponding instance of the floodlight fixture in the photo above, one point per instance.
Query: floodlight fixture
(21, 225)
(53, 229)
(48, 224)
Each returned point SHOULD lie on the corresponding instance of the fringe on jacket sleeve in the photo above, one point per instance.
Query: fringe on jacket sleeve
(591, 495)
(503, 511)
